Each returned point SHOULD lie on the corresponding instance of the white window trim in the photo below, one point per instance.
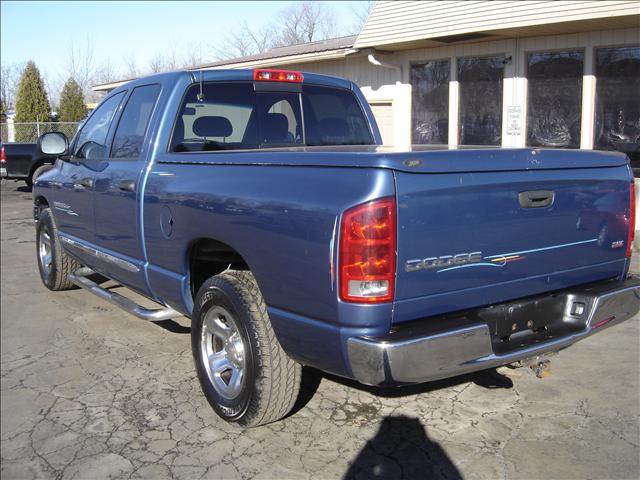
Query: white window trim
(454, 102)
(588, 120)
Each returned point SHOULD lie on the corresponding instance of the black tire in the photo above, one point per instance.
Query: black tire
(55, 271)
(270, 379)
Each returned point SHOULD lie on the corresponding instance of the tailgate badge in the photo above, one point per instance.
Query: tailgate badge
(443, 261)
(412, 162)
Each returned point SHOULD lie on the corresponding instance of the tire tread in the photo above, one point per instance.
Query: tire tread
(280, 376)
(63, 263)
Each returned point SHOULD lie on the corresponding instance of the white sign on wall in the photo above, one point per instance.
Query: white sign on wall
(514, 120)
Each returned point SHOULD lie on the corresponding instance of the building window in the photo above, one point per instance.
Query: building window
(430, 102)
(480, 80)
(617, 125)
(554, 96)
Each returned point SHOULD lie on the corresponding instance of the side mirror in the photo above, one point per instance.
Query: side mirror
(53, 143)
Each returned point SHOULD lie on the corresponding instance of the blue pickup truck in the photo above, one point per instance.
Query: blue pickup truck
(261, 205)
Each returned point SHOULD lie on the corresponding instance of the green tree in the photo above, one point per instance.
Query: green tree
(72, 108)
(32, 104)
(4, 132)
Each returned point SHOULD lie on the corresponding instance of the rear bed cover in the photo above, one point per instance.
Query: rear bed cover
(413, 159)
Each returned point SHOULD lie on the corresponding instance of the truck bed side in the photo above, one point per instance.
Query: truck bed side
(282, 221)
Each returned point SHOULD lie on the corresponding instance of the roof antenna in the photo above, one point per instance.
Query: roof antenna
(200, 96)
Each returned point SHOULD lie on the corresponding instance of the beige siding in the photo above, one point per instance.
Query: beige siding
(409, 21)
(355, 68)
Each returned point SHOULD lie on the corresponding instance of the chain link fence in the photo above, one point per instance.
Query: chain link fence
(29, 132)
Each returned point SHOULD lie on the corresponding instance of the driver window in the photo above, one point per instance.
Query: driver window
(92, 137)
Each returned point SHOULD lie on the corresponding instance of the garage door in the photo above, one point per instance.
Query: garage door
(383, 111)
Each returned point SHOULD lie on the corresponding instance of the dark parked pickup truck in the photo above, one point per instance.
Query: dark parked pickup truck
(19, 161)
(261, 205)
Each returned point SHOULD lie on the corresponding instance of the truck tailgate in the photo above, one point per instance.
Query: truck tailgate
(467, 239)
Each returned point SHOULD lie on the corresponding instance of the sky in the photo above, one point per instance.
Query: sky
(46, 31)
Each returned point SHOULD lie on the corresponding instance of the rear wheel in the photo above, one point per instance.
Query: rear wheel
(244, 372)
(54, 263)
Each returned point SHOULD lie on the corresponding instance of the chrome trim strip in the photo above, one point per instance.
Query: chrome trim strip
(128, 266)
(456, 352)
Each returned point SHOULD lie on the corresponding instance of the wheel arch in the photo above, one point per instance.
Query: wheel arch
(36, 165)
(207, 257)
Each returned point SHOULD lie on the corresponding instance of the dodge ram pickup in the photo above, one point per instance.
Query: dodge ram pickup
(261, 205)
(20, 161)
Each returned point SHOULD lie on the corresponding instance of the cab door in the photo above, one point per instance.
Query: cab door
(118, 189)
(73, 206)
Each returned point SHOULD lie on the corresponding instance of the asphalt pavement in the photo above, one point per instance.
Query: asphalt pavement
(88, 391)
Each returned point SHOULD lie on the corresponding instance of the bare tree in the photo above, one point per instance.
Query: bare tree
(105, 73)
(306, 22)
(361, 15)
(80, 65)
(192, 55)
(131, 67)
(245, 41)
(299, 23)
(9, 79)
(157, 63)
(53, 92)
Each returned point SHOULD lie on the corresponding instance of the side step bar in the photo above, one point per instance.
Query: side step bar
(79, 277)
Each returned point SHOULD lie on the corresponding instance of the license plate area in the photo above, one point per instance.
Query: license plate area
(530, 321)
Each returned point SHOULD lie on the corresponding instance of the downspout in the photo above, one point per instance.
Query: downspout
(374, 61)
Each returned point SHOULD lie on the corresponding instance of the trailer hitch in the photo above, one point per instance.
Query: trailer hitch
(539, 365)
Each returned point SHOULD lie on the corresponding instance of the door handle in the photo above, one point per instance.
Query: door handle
(535, 198)
(84, 183)
(127, 186)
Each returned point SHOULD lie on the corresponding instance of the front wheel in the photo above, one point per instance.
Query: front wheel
(244, 373)
(54, 263)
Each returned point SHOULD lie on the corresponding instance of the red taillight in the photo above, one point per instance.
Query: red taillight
(277, 76)
(3, 155)
(367, 263)
(632, 218)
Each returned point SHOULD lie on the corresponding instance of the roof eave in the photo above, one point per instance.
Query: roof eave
(266, 62)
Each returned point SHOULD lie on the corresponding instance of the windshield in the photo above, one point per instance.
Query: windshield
(233, 116)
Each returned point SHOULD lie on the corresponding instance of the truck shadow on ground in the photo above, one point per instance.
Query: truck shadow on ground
(172, 326)
(402, 449)
(311, 379)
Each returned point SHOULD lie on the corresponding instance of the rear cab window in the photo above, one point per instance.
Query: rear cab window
(132, 126)
(233, 116)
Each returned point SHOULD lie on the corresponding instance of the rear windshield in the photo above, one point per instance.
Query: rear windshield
(231, 116)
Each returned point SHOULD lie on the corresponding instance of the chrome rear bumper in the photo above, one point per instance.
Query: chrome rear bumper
(410, 357)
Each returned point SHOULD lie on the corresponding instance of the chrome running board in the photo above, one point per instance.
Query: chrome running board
(79, 278)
